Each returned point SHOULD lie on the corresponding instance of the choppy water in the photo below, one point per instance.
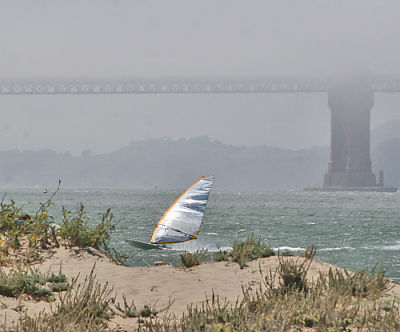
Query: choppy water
(350, 229)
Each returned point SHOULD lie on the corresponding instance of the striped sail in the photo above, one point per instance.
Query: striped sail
(181, 222)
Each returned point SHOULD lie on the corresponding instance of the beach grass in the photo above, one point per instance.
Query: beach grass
(77, 232)
(287, 301)
(84, 306)
(190, 259)
(24, 238)
(245, 251)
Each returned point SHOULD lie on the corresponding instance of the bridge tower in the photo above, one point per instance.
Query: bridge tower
(350, 164)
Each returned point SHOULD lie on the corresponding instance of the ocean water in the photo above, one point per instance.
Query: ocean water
(354, 230)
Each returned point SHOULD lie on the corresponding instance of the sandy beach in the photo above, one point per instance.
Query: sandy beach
(160, 287)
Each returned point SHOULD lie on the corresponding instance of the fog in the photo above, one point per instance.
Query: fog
(152, 39)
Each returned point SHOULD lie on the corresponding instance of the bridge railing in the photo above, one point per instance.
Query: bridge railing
(181, 86)
(18, 88)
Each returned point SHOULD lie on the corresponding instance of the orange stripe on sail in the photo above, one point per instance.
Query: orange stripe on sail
(169, 209)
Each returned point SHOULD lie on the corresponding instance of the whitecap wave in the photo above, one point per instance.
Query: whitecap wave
(288, 248)
(336, 248)
(388, 247)
(393, 247)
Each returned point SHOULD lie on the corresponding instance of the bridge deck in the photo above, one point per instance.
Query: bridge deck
(179, 86)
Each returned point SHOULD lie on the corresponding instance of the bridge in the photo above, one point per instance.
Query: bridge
(350, 99)
(388, 83)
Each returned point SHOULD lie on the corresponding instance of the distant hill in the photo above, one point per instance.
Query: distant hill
(385, 132)
(387, 157)
(385, 151)
(166, 163)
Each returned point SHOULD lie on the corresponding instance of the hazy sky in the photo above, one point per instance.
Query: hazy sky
(218, 38)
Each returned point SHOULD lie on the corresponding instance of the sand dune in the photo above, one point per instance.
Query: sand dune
(156, 286)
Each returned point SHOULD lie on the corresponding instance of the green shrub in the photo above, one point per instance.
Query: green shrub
(17, 282)
(84, 305)
(76, 230)
(146, 311)
(188, 259)
(286, 253)
(245, 251)
(249, 250)
(59, 287)
(39, 232)
(360, 284)
(56, 278)
(129, 310)
(293, 275)
(8, 214)
(221, 256)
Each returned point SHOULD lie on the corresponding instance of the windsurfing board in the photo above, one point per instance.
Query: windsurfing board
(143, 245)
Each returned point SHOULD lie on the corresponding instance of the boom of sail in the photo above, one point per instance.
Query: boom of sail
(181, 222)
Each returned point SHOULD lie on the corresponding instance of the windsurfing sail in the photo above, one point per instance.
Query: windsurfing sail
(181, 222)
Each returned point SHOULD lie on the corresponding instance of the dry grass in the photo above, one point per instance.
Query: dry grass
(85, 306)
(287, 301)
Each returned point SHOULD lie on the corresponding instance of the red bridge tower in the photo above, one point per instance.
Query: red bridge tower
(350, 164)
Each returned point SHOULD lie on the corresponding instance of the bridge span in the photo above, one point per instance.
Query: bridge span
(350, 100)
(180, 85)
